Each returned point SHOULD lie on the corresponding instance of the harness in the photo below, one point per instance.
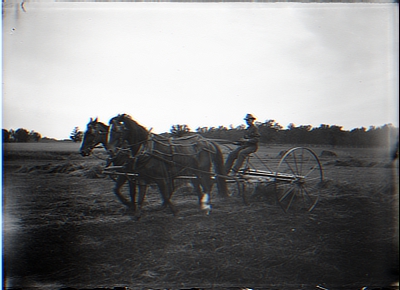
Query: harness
(148, 149)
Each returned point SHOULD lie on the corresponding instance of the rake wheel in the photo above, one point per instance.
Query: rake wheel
(298, 180)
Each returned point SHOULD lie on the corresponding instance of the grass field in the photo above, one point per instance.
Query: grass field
(64, 227)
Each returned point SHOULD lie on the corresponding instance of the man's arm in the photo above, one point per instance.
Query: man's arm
(253, 136)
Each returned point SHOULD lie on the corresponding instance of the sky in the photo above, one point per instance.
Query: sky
(199, 64)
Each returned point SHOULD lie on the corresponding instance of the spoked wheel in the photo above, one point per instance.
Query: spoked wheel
(299, 179)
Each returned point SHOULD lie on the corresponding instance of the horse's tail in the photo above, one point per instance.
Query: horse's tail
(219, 168)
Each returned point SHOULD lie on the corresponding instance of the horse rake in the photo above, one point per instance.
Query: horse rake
(296, 183)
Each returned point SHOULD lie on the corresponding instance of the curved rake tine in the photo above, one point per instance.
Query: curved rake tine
(314, 203)
(262, 162)
(290, 202)
(286, 194)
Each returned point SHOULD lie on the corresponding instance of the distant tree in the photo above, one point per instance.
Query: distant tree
(241, 127)
(202, 130)
(357, 137)
(336, 135)
(321, 135)
(6, 136)
(21, 135)
(76, 135)
(220, 132)
(333, 135)
(292, 135)
(34, 136)
(11, 134)
(269, 131)
(382, 136)
(291, 126)
(179, 130)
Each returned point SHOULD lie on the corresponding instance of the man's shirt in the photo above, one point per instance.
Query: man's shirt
(252, 135)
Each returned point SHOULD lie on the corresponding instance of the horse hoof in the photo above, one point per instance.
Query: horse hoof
(160, 208)
(136, 217)
(131, 211)
(206, 209)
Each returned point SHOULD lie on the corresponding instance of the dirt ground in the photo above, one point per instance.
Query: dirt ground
(63, 227)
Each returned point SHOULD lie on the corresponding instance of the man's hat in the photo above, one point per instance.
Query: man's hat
(249, 117)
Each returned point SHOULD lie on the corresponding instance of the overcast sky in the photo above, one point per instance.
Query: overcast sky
(199, 64)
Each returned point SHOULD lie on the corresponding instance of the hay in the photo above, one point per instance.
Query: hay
(80, 169)
(351, 162)
(326, 153)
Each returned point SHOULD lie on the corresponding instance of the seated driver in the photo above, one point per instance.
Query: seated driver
(248, 144)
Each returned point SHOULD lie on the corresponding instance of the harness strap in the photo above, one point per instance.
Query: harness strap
(172, 148)
(210, 151)
(170, 142)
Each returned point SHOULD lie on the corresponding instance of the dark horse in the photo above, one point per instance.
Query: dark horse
(97, 133)
(160, 160)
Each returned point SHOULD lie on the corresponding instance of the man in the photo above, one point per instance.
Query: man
(248, 144)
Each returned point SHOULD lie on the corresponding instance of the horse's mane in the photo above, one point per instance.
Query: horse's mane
(131, 124)
(95, 121)
(102, 124)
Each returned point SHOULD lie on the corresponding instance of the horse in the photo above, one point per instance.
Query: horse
(97, 133)
(160, 160)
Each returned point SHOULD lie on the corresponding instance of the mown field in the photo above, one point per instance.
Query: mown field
(64, 227)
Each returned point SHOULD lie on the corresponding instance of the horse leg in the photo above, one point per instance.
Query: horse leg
(205, 199)
(140, 199)
(133, 207)
(142, 192)
(169, 188)
(132, 194)
(205, 181)
(165, 191)
(196, 186)
(119, 183)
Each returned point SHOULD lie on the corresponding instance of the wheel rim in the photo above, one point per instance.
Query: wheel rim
(298, 179)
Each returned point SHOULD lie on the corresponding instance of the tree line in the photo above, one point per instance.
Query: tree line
(21, 135)
(271, 133)
(326, 135)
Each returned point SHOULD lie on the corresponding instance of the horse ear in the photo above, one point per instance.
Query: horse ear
(91, 120)
(95, 120)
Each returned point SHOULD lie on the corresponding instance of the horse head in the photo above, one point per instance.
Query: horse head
(96, 133)
(116, 135)
(125, 132)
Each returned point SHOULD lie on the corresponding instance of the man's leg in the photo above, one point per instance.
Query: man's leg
(242, 156)
(231, 157)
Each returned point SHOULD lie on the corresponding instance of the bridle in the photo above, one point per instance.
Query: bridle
(96, 132)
